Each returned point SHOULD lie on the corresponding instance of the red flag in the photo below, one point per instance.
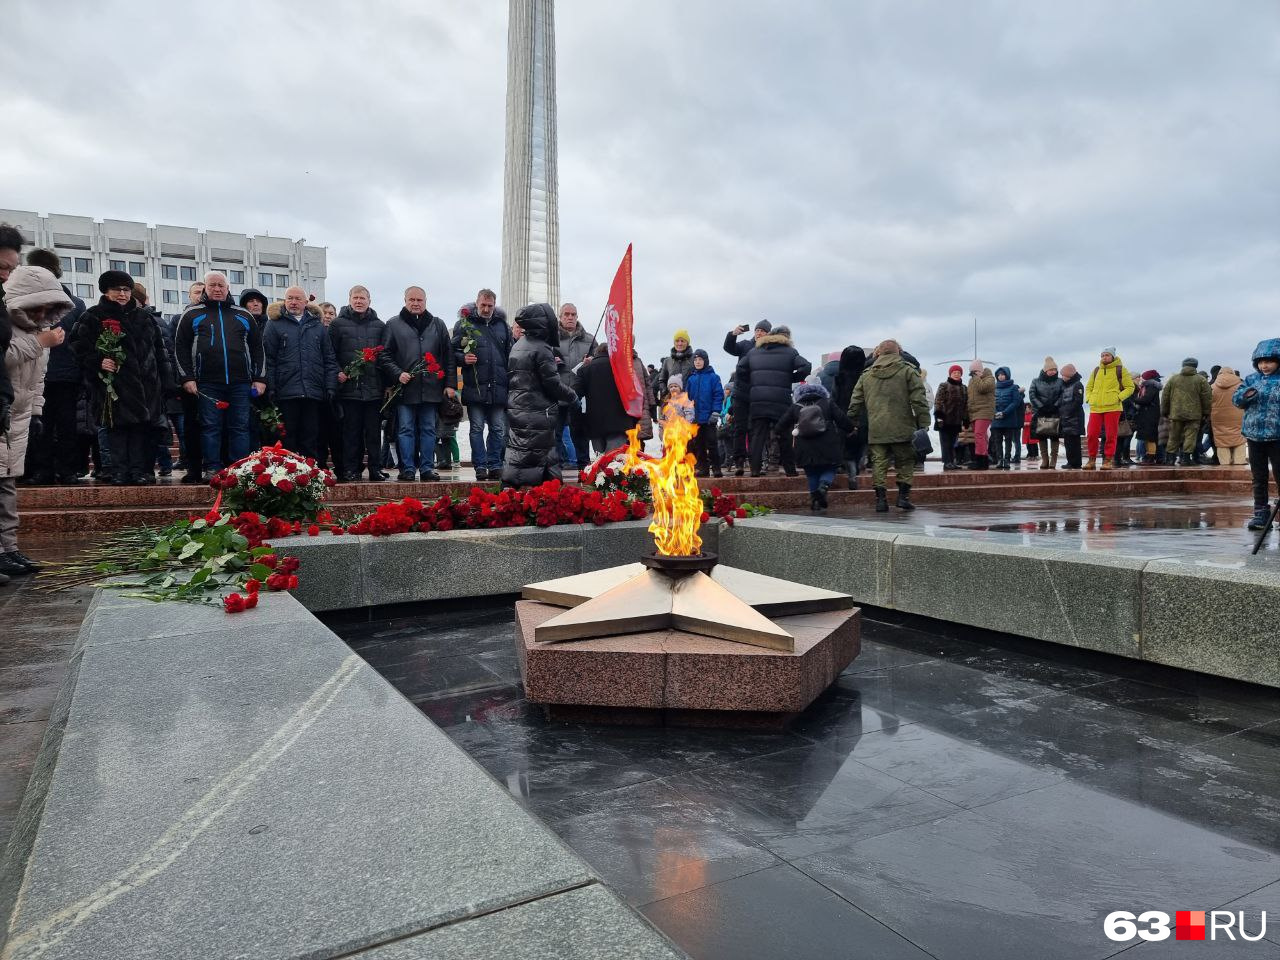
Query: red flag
(618, 320)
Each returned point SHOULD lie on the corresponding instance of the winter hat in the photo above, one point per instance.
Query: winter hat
(1150, 375)
(675, 380)
(1191, 362)
(781, 331)
(36, 287)
(764, 325)
(1110, 350)
(680, 335)
(975, 366)
(252, 294)
(955, 368)
(703, 354)
(1049, 364)
(114, 278)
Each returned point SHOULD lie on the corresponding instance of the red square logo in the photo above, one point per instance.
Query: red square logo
(1190, 925)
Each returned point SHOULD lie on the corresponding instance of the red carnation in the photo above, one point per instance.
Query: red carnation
(740, 513)
(222, 404)
(251, 601)
(705, 517)
(233, 603)
(313, 531)
(253, 586)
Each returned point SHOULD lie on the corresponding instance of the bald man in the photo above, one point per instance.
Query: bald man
(302, 369)
(219, 354)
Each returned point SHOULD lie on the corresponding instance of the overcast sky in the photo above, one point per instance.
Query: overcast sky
(1074, 175)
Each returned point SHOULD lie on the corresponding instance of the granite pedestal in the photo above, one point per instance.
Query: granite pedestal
(673, 677)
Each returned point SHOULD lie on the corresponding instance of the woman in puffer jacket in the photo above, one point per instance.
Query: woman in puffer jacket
(36, 302)
(534, 394)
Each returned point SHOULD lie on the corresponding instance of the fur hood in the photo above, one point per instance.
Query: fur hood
(274, 310)
(775, 339)
(36, 287)
(809, 392)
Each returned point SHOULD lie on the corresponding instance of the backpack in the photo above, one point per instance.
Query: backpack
(811, 422)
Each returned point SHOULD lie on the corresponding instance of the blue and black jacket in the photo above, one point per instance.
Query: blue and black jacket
(217, 342)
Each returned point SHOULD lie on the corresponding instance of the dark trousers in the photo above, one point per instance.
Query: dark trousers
(741, 430)
(361, 436)
(192, 445)
(301, 418)
(132, 450)
(705, 448)
(947, 438)
(581, 439)
(761, 432)
(1071, 447)
(1007, 441)
(1263, 454)
(331, 436)
(56, 453)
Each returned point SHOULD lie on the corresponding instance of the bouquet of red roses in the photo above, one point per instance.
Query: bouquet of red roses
(428, 363)
(367, 358)
(110, 345)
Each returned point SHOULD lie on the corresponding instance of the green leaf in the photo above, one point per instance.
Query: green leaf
(199, 524)
(260, 571)
(199, 577)
(190, 550)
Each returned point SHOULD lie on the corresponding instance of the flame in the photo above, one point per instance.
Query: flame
(677, 501)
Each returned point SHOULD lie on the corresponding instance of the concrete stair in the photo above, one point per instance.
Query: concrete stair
(92, 507)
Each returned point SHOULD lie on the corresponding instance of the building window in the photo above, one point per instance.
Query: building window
(170, 296)
(235, 276)
(137, 269)
(66, 264)
(282, 280)
(168, 271)
(84, 290)
(189, 274)
(264, 280)
(84, 265)
(116, 265)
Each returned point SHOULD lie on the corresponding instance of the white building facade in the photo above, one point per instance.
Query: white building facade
(167, 260)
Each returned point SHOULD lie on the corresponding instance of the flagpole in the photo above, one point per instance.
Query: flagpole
(600, 322)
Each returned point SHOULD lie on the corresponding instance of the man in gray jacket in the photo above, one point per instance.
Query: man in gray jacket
(417, 360)
(576, 345)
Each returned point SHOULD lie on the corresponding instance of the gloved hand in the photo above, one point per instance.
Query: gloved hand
(35, 427)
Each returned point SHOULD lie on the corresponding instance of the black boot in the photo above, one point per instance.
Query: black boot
(852, 469)
(814, 503)
(882, 500)
(822, 495)
(904, 497)
(1261, 518)
(979, 462)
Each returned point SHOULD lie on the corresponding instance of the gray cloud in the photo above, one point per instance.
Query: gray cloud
(1071, 174)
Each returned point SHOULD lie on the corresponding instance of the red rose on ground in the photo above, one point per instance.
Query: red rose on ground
(253, 586)
(740, 513)
(212, 516)
(313, 531)
(251, 601)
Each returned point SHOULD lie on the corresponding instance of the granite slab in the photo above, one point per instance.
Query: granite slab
(330, 571)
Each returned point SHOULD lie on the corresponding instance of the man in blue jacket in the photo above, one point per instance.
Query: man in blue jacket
(220, 362)
(302, 371)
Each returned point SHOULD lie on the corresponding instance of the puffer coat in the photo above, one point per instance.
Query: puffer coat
(705, 390)
(1147, 400)
(1259, 396)
(350, 333)
(300, 361)
(1071, 409)
(143, 382)
(1045, 395)
(25, 359)
(405, 340)
(1108, 387)
(486, 380)
(1009, 404)
(534, 392)
(827, 448)
(1186, 396)
(1227, 418)
(894, 397)
(982, 396)
(767, 373)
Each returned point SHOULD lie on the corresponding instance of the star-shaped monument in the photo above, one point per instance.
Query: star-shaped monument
(727, 603)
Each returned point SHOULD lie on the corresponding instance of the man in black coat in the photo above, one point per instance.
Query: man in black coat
(302, 371)
(53, 455)
(356, 328)
(738, 407)
(535, 392)
(483, 341)
(412, 334)
(765, 374)
(218, 348)
(607, 422)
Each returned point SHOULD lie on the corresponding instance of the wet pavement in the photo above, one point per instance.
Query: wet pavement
(1206, 526)
(953, 795)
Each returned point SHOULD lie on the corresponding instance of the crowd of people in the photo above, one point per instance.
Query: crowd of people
(112, 383)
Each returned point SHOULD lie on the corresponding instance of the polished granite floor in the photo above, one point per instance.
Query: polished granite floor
(1209, 526)
(952, 796)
